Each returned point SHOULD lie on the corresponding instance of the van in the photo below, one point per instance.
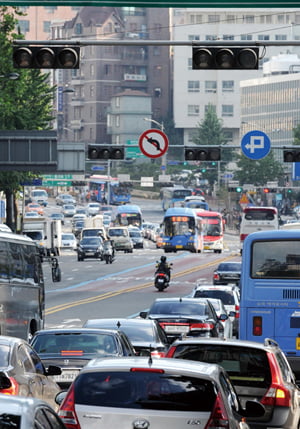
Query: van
(93, 232)
(40, 196)
(121, 238)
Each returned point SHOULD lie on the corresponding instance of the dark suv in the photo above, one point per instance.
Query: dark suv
(90, 247)
(258, 372)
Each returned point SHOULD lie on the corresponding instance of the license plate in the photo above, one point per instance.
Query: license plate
(179, 246)
(206, 247)
(298, 343)
(177, 329)
(66, 376)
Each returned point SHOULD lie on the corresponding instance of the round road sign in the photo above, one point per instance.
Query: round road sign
(153, 143)
(255, 144)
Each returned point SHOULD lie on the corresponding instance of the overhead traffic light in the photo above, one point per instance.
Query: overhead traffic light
(46, 57)
(266, 190)
(237, 189)
(290, 155)
(197, 153)
(99, 151)
(242, 58)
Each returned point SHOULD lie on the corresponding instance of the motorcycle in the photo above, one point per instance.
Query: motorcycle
(108, 252)
(161, 280)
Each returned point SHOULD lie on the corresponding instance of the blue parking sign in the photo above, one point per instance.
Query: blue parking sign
(255, 144)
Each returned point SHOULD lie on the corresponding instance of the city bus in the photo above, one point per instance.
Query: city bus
(126, 215)
(22, 291)
(257, 219)
(109, 190)
(270, 291)
(212, 225)
(173, 196)
(181, 231)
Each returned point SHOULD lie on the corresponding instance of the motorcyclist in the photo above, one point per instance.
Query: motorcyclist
(163, 267)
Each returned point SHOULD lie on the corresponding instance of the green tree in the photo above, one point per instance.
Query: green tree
(258, 172)
(26, 102)
(296, 133)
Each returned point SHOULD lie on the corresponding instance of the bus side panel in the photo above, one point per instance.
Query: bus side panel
(287, 328)
(247, 323)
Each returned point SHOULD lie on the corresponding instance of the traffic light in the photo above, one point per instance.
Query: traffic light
(266, 190)
(239, 189)
(46, 57)
(197, 153)
(242, 58)
(290, 155)
(105, 152)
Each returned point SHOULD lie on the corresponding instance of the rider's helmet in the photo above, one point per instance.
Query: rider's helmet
(163, 259)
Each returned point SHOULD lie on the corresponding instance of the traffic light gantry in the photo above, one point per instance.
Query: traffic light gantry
(46, 57)
(225, 58)
(202, 153)
(100, 151)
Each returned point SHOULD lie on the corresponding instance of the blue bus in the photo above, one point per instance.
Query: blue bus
(173, 196)
(181, 231)
(109, 191)
(270, 291)
(126, 215)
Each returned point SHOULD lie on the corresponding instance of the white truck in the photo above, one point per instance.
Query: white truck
(46, 233)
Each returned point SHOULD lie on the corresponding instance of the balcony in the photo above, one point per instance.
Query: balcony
(76, 124)
(77, 102)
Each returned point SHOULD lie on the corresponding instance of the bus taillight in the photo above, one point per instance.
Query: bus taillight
(243, 236)
(257, 326)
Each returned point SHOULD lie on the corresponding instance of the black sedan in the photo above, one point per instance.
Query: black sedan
(227, 273)
(71, 349)
(186, 316)
(90, 247)
(146, 335)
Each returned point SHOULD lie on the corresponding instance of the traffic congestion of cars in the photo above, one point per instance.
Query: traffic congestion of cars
(122, 372)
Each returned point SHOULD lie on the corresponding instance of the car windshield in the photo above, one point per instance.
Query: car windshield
(225, 296)
(145, 390)
(229, 267)
(75, 344)
(181, 308)
(93, 241)
(245, 366)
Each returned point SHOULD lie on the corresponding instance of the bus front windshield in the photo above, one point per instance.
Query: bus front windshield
(179, 226)
(126, 219)
(212, 226)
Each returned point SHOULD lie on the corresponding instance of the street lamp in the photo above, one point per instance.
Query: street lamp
(164, 157)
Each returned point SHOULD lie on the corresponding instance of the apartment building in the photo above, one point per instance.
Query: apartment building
(194, 90)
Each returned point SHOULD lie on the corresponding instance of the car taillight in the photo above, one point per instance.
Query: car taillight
(13, 389)
(277, 394)
(216, 276)
(219, 418)
(67, 410)
(237, 311)
(157, 354)
(257, 326)
(201, 326)
(243, 236)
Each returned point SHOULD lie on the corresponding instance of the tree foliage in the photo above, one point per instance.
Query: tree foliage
(258, 172)
(296, 133)
(26, 102)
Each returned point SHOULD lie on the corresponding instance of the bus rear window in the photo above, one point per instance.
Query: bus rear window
(262, 214)
(275, 259)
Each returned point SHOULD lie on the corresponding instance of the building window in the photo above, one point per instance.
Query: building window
(107, 69)
(211, 37)
(117, 120)
(227, 110)
(24, 25)
(246, 37)
(280, 19)
(213, 18)
(46, 26)
(210, 86)
(228, 136)
(191, 136)
(156, 51)
(196, 19)
(230, 19)
(210, 106)
(117, 137)
(193, 86)
(92, 91)
(227, 85)
(297, 19)
(157, 28)
(117, 102)
(193, 110)
(249, 19)
(92, 69)
(263, 37)
(157, 92)
(190, 63)
(78, 28)
(193, 37)
(228, 37)
(50, 9)
(280, 37)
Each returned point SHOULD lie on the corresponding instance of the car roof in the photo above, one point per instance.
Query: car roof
(177, 366)
(76, 331)
(268, 343)
(181, 299)
(122, 322)
(228, 288)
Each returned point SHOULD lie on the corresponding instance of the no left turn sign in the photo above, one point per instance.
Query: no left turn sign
(153, 143)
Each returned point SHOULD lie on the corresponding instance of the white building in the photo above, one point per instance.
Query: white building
(195, 89)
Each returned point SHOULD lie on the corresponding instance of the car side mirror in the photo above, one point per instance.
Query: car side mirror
(143, 314)
(232, 314)
(60, 397)
(223, 317)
